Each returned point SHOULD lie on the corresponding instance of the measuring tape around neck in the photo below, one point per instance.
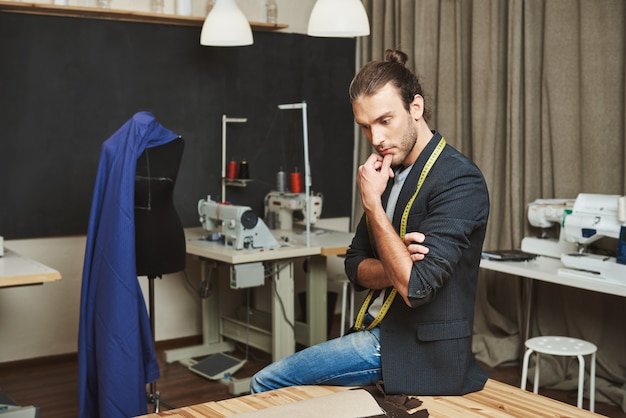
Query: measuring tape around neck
(358, 324)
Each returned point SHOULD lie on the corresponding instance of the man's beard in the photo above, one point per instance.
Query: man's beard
(406, 145)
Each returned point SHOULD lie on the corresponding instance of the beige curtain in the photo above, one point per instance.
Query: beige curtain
(534, 91)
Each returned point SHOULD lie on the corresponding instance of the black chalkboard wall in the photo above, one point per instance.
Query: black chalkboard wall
(67, 84)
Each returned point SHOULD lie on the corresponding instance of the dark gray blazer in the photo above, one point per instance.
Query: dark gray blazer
(427, 348)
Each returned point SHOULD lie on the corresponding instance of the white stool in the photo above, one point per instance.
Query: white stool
(563, 346)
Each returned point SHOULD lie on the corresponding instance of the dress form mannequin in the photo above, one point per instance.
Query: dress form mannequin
(159, 234)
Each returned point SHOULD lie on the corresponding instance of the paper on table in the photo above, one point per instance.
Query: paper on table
(347, 404)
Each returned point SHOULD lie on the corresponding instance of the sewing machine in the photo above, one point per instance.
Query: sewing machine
(239, 226)
(592, 217)
(282, 209)
(547, 214)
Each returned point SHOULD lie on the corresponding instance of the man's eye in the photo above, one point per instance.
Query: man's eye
(386, 121)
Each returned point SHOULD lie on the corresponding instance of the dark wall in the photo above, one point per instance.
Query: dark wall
(67, 84)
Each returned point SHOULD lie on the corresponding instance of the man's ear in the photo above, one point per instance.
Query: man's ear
(416, 107)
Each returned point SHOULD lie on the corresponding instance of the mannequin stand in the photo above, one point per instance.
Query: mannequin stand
(154, 396)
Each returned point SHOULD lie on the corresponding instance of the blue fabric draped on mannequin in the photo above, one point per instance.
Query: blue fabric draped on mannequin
(115, 350)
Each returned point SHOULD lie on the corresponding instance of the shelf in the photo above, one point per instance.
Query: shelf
(113, 14)
(236, 182)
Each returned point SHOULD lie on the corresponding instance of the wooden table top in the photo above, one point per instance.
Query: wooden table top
(495, 400)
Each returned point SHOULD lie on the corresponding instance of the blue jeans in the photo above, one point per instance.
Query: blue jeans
(351, 360)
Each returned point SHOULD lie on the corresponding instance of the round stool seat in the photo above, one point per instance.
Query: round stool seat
(561, 346)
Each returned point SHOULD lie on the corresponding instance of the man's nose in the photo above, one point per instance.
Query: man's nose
(377, 137)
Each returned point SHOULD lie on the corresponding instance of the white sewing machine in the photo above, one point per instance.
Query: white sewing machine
(238, 225)
(283, 209)
(546, 214)
(592, 217)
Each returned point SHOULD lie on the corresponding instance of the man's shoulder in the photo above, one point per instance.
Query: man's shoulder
(452, 157)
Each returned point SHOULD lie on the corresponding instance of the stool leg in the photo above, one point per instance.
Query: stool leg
(343, 308)
(581, 379)
(525, 369)
(537, 358)
(592, 383)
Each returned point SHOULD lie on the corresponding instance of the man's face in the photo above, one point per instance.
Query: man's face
(386, 123)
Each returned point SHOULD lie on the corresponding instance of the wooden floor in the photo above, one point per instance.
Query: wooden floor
(51, 384)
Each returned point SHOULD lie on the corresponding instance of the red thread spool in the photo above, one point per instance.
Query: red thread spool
(296, 183)
(231, 170)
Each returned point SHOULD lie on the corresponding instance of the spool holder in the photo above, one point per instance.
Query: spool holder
(226, 120)
(307, 168)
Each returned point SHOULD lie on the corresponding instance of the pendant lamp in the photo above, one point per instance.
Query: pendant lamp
(338, 19)
(226, 25)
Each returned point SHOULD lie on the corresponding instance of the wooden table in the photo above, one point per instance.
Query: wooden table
(495, 400)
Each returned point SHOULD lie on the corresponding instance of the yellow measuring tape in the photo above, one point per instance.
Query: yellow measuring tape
(358, 324)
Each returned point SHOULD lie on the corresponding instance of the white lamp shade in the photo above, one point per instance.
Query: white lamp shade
(226, 25)
(339, 19)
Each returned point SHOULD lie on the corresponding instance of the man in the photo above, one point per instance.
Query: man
(415, 330)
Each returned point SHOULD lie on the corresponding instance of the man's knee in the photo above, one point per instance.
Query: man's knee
(255, 384)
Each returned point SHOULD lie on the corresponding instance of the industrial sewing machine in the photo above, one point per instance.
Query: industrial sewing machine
(592, 217)
(238, 225)
(583, 221)
(282, 209)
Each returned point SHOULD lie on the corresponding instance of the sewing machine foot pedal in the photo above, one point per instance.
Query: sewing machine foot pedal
(216, 366)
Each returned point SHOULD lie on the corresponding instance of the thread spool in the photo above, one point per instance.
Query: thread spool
(281, 181)
(231, 170)
(244, 170)
(296, 182)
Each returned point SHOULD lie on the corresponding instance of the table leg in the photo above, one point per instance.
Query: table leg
(283, 318)
(317, 300)
(528, 304)
(212, 341)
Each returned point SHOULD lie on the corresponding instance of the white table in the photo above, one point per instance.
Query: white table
(17, 270)
(331, 243)
(547, 269)
(281, 343)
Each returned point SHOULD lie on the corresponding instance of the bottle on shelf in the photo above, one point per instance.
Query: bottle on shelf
(156, 6)
(184, 7)
(271, 11)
